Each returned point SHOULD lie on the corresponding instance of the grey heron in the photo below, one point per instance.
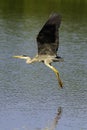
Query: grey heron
(48, 43)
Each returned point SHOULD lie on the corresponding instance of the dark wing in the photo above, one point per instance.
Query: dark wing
(48, 37)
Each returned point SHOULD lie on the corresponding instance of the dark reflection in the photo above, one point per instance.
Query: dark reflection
(10, 9)
(26, 8)
(11, 13)
(55, 121)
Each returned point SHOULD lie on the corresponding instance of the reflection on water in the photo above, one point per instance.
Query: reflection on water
(55, 121)
(29, 94)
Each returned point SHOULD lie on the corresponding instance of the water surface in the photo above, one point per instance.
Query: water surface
(29, 94)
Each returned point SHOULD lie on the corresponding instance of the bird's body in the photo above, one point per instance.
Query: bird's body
(48, 43)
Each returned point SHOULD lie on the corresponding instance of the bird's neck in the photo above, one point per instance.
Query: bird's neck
(31, 60)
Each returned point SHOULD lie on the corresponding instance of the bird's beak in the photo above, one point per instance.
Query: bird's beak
(21, 57)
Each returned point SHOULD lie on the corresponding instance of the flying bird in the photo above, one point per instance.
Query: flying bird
(48, 43)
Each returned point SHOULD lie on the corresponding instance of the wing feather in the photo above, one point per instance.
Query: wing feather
(48, 37)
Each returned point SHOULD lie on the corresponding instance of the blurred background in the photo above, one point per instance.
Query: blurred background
(29, 94)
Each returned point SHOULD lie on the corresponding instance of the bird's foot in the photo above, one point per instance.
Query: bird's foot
(60, 83)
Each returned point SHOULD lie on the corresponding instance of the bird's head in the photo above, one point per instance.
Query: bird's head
(25, 57)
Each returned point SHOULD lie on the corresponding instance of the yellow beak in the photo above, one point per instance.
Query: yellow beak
(20, 57)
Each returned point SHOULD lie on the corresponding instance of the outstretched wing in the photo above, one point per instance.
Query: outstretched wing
(48, 37)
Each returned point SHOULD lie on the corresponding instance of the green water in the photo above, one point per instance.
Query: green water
(29, 94)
